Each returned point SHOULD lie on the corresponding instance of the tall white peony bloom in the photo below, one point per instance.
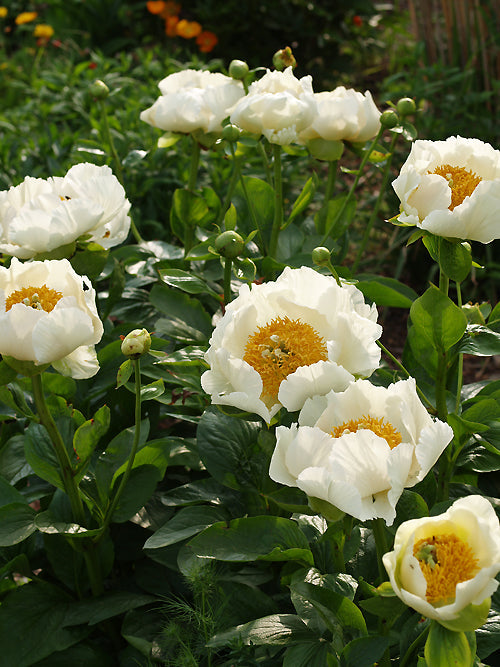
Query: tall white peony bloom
(445, 566)
(451, 188)
(359, 449)
(193, 100)
(48, 316)
(343, 114)
(278, 105)
(281, 342)
(40, 215)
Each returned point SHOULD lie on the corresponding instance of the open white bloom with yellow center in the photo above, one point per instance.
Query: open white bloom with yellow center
(40, 215)
(48, 316)
(445, 566)
(344, 114)
(283, 341)
(451, 188)
(193, 100)
(278, 105)
(358, 449)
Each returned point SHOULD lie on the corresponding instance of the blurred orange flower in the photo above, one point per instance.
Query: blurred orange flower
(3, 12)
(171, 26)
(206, 41)
(43, 31)
(26, 17)
(188, 29)
(156, 6)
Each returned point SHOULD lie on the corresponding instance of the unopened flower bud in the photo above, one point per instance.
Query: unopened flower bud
(406, 106)
(229, 244)
(389, 118)
(99, 90)
(321, 256)
(231, 133)
(136, 343)
(284, 58)
(238, 69)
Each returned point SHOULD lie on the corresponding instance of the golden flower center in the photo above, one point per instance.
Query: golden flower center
(461, 181)
(380, 427)
(40, 298)
(445, 561)
(280, 347)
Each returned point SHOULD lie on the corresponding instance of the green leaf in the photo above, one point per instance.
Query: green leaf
(455, 259)
(253, 538)
(388, 608)
(9, 494)
(244, 269)
(188, 210)
(445, 647)
(185, 281)
(386, 291)
(17, 522)
(106, 606)
(230, 451)
(364, 651)
(186, 319)
(333, 607)
(45, 522)
(437, 319)
(124, 372)
(187, 522)
(275, 630)
(480, 341)
(152, 390)
(138, 490)
(156, 453)
(41, 455)
(254, 202)
(308, 654)
(335, 217)
(7, 373)
(87, 436)
(303, 200)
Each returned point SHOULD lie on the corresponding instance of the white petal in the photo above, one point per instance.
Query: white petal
(80, 364)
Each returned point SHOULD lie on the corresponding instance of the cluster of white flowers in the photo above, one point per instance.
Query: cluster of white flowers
(279, 106)
(48, 313)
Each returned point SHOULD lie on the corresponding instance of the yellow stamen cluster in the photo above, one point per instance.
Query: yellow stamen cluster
(445, 561)
(281, 346)
(462, 182)
(380, 427)
(40, 298)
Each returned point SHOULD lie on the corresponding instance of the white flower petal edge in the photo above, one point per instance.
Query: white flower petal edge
(472, 519)
(48, 336)
(338, 314)
(425, 196)
(358, 471)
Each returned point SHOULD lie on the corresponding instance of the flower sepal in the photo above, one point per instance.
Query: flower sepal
(445, 647)
(62, 252)
(326, 509)
(324, 149)
(470, 618)
(26, 368)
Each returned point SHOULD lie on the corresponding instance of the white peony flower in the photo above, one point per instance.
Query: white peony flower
(451, 188)
(193, 100)
(359, 449)
(278, 105)
(445, 566)
(41, 215)
(48, 316)
(344, 115)
(281, 342)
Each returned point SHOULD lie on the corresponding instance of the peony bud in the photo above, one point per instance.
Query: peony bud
(231, 133)
(406, 106)
(321, 256)
(229, 244)
(389, 118)
(99, 90)
(284, 58)
(136, 343)
(238, 69)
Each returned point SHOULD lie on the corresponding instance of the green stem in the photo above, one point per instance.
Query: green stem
(355, 182)
(137, 434)
(460, 379)
(442, 367)
(117, 163)
(413, 646)
(227, 280)
(231, 187)
(191, 186)
(69, 482)
(374, 213)
(278, 201)
(378, 528)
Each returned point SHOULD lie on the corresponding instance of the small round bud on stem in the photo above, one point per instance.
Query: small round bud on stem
(238, 69)
(229, 244)
(406, 106)
(231, 133)
(284, 58)
(389, 118)
(99, 90)
(136, 343)
(321, 256)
